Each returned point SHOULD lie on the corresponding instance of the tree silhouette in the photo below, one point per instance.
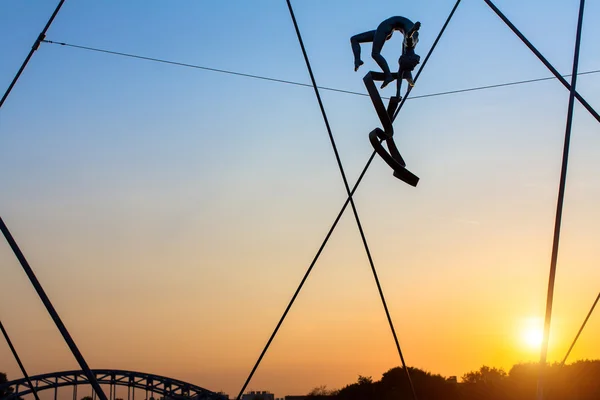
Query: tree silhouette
(580, 380)
(3, 380)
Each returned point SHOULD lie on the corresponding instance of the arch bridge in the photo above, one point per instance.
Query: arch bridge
(153, 385)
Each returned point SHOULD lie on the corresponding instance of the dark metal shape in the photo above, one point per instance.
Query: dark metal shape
(580, 330)
(51, 310)
(380, 109)
(166, 387)
(399, 171)
(542, 58)
(14, 352)
(343, 208)
(35, 46)
(377, 136)
(559, 206)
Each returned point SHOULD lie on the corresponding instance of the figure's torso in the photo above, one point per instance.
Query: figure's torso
(396, 23)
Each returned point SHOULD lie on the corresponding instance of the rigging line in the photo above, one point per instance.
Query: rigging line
(559, 206)
(35, 46)
(335, 223)
(51, 310)
(433, 46)
(308, 271)
(195, 66)
(341, 212)
(14, 352)
(498, 85)
(539, 55)
(266, 78)
(348, 191)
(580, 330)
(17, 251)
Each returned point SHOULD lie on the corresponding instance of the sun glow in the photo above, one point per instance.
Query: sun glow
(532, 333)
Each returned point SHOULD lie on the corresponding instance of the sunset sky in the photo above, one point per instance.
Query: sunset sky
(170, 212)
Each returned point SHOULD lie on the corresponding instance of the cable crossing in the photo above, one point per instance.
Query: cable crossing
(342, 210)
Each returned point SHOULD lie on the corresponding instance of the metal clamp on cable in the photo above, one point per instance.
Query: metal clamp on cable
(39, 40)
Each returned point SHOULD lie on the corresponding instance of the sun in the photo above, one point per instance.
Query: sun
(532, 333)
(533, 337)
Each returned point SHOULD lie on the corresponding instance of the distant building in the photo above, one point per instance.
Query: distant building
(295, 397)
(258, 395)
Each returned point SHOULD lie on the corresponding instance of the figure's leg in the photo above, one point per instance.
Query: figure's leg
(355, 42)
(381, 36)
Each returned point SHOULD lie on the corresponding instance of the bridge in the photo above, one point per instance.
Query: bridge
(152, 385)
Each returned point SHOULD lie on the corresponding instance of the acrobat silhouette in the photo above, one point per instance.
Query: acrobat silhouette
(408, 60)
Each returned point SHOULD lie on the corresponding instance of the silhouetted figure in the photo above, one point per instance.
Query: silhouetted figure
(378, 37)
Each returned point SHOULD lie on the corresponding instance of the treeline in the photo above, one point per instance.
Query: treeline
(580, 380)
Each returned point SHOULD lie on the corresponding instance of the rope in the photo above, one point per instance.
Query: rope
(348, 191)
(51, 310)
(35, 46)
(21, 366)
(541, 58)
(288, 82)
(580, 330)
(13, 244)
(559, 207)
(433, 46)
(348, 200)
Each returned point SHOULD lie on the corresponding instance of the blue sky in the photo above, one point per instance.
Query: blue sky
(205, 196)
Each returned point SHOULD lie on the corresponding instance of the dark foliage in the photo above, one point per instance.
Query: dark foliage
(580, 380)
(3, 379)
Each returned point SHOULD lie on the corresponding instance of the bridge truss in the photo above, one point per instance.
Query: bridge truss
(153, 385)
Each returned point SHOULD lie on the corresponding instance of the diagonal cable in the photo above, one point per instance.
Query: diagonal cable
(51, 310)
(348, 191)
(433, 46)
(17, 251)
(559, 207)
(544, 61)
(35, 46)
(21, 366)
(341, 212)
(580, 330)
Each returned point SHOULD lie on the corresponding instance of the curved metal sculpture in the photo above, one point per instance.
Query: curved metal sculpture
(377, 136)
(155, 384)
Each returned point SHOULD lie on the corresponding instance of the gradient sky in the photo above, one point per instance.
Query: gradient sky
(170, 212)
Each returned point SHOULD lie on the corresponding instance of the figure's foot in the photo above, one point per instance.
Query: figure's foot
(387, 80)
(357, 65)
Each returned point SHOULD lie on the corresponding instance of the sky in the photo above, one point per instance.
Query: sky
(171, 212)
